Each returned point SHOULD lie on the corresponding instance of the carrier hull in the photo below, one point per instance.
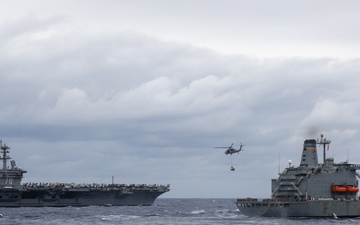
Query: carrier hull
(312, 208)
(15, 194)
(52, 198)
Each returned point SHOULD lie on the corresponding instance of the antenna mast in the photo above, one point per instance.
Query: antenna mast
(323, 142)
(279, 164)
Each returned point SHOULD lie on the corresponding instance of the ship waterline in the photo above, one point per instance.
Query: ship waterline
(15, 194)
(310, 208)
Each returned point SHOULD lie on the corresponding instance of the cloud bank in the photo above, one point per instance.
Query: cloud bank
(80, 106)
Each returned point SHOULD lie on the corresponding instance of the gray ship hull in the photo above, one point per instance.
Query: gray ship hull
(311, 208)
(15, 194)
(16, 198)
(311, 189)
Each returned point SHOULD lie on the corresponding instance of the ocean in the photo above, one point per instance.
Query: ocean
(163, 212)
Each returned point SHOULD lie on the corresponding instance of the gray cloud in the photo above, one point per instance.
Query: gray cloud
(81, 106)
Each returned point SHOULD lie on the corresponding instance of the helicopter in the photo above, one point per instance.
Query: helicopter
(230, 150)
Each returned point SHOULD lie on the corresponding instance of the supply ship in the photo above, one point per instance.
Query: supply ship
(15, 194)
(311, 189)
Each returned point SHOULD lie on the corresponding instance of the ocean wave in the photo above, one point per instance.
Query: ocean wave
(198, 212)
(118, 217)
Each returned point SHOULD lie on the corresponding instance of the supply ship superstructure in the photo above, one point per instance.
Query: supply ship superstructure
(15, 194)
(311, 189)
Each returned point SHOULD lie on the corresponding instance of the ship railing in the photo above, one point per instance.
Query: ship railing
(264, 203)
(286, 183)
(285, 193)
(248, 200)
(283, 177)
(347, 165)
(255, 200)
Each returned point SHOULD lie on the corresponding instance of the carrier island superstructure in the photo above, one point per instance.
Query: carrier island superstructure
(15, 194)
(311, 189)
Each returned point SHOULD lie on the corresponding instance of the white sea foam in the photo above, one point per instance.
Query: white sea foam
(118, 217)
(198, 212)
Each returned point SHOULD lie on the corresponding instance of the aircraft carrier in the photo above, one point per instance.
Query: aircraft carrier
(310, 189)
(15, 194)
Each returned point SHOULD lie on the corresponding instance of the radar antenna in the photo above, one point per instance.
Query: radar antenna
(323, 142)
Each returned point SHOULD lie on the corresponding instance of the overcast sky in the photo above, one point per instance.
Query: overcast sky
(144, 90)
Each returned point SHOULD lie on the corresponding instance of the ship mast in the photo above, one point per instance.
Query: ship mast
(4, 157)
(323, 142)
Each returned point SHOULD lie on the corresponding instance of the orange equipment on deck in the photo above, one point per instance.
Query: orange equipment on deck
(338, 189)
(352, 189)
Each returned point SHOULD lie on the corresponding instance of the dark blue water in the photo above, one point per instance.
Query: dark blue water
(164, 211)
